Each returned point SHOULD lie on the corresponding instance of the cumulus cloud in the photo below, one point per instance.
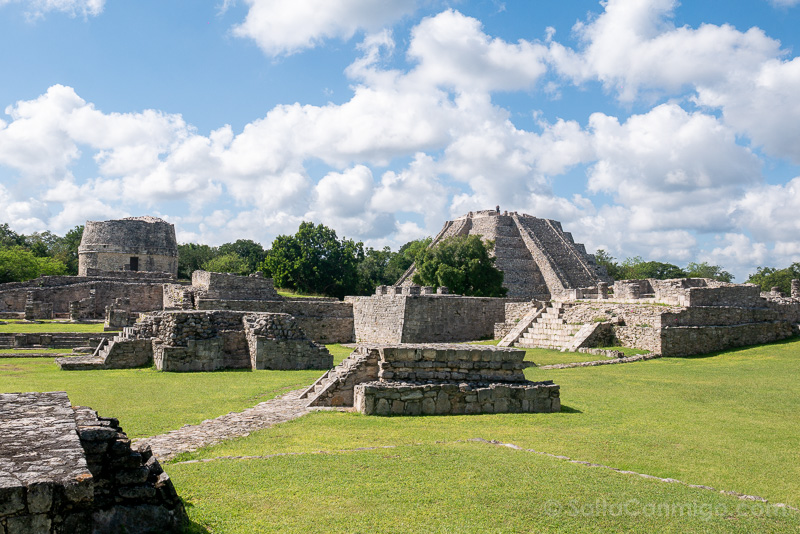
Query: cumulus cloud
(454, 52)
(283, 28)
(674, 169)
(38, 8)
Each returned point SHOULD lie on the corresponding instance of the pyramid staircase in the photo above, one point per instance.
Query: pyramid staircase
(335, 387)
(550, 331)
(96, 360)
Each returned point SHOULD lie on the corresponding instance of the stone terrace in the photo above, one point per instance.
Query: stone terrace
(66, 470)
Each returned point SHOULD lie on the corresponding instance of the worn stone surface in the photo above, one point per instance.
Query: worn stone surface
(191, 340)
(131, 244)
(537, 257)
(428, 379)
(238, 424)
(64, 469)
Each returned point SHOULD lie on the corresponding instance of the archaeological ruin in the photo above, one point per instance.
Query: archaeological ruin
(538, 259)
(64, 469)
(434, 379)
(191, 340)
(133, 244)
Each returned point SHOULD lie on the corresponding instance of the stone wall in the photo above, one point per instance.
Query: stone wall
(144, 296)
(323, 320)
(685, 341)
(226, 286)
(378, 398)
(425, 318)
(414, 379)
(211, 340)
(113, 245)
(66, 470)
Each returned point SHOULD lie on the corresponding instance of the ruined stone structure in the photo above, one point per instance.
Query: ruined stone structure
(434, 379)
(207, 341)
(538, 259)
(63, 469)
(677, 317)
(91, 294)
(132, 244)
(411, 315)
(325, 320)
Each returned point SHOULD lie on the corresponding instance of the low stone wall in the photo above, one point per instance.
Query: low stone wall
(275, 342)
(67, 470)
(685, 341)
(323, 320)
(425, 318)
(57, 340)
(226, 286)
(640, 337)
(399, 398)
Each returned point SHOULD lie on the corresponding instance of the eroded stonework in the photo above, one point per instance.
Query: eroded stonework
(538, 259)
(434, 379)
(65, 470)
(131, 244)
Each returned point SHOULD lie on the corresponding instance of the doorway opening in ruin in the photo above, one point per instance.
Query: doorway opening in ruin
(134, 264)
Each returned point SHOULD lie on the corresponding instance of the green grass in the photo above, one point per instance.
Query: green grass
(454, 488)
(548, 356)
(338, 352)
(727, 420)
(48, 327)
(36, 351)
(292, 293)
(150, 402)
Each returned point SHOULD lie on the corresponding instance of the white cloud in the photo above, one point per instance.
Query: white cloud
(633, 46)
(453, 52)
(784, 3)
(283, 28)
(38, 8)
(673, 169)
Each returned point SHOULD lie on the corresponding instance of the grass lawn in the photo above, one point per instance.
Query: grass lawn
(48, 327)
(59, 352)
(726, 420)
(149, 402)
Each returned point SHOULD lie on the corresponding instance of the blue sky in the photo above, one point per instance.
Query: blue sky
(647, 127)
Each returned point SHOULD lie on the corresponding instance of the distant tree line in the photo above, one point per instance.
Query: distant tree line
(315, 260)
(636, 268)
(24, 257)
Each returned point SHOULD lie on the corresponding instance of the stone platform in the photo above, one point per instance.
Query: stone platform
(434, 379)
(63, 469)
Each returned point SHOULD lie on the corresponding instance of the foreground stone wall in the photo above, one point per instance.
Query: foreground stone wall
(226, 286)
(66, 470)
(415, 379)
(377, 398)
(425, 318)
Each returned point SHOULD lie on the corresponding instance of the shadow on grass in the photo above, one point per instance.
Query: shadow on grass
(567, 409)
(734, 350)
(192, 527)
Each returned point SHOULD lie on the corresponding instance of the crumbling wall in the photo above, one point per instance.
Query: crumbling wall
(227, 286)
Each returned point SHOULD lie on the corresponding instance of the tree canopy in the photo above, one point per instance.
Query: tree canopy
(463, 264)
(18, 264)
(315, 260)
(636, 268)
(769, 277)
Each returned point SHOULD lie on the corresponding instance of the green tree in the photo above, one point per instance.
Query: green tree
(637, 269)
(462, 264)
(250, 251)
(601, 257)
(66, 249)
(704, 270)
(192, 257)
(227, 263)
(314, 260)
(9, 238)
(18, 265)
(400, 262)
(373, 270)
(769, 277)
